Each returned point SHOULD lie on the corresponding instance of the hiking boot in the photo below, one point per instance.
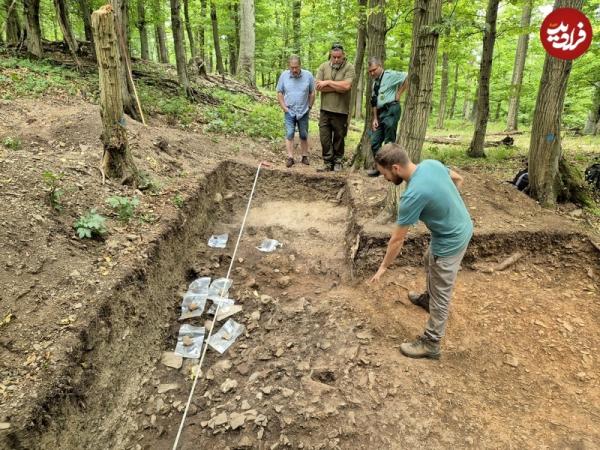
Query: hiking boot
(305, 160)
(422, 347)
(289, 163)
(337, 167)
(325, 168)
(373, 173)
(421, 300)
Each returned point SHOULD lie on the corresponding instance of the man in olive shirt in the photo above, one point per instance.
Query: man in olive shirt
(387, 89)
(334, 81)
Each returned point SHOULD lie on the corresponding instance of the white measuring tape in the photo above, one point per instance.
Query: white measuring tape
(199, 366)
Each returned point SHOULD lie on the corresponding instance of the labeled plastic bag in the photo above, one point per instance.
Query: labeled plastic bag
(189, 341)
(192, 305)
(229, 332)
(269, 245)
(218, 240)
(219, 288)
(200, 286)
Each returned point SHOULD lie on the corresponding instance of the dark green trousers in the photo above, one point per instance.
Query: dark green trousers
(332, 131)
(388, 124)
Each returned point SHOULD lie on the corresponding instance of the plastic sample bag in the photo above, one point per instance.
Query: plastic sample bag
(200, 286)
(192, 305)
(269, 245)
(218, 240)
(229, 332)
(189, 341)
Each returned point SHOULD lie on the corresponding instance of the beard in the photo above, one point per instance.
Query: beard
(397, 179)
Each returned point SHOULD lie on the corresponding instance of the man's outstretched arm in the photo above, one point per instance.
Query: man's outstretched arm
(393, 250)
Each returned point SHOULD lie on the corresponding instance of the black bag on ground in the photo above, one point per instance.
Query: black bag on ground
(521, 180)
(592, 175)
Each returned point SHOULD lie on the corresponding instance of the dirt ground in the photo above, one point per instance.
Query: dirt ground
(318, 366)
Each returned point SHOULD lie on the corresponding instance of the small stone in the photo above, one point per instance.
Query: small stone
(244, 443)
(287, 392)
(236, 420)
(243, 369)
(267, 389)
(223, 365)
(279, 352)
(218, 197)
(511, 361)
(208, 325)
(260, 434)
(221, 419)
(78, 305)
(228, 385)
(170, 359)
(581, 376)
(266, 299)
(4, 425)
(278, 408)
(245, 405)
(284, 281)
(162, 388)
(255, 315)
(192, 410)
(187, 341)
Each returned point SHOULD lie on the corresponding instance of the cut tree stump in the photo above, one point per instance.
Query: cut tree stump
(117, 162)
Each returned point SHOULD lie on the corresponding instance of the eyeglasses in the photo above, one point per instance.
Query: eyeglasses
(337, 47)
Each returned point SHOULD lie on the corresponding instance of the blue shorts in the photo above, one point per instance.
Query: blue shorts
(290, 126)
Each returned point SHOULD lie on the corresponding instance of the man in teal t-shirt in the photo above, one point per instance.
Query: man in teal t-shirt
(431, 196)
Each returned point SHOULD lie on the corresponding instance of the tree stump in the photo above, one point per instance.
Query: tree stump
(117, 161)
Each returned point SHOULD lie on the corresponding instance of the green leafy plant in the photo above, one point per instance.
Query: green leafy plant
(147, 183)
(124, 206)
(178, 201)
(90, 225)
(12, 143)
(52, 182)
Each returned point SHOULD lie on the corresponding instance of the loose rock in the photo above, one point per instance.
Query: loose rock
(170, 359)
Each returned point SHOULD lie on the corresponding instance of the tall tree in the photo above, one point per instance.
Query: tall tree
(141, 26)
(296, 24)
(443, 92)
(413, 124)
(84, 10)
(483, 101)
(454, 92)
(32, 25)
(233, 40)
(519, 68)
(161, 42)
(13, 25)
(179, 42)
(545, 150)
(245, 66)
(215, 30)
(62, 15)
(592, 125)
(361, 43)
(188, 27)
(376, 31)
(201, 35)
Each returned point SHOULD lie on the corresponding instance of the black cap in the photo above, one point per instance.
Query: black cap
(337, 46)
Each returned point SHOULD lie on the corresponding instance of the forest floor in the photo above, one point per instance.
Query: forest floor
(84, 323)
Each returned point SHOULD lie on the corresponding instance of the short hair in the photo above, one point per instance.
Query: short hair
(374, 61)
(337, 46)
(391, 154)
(294, 58)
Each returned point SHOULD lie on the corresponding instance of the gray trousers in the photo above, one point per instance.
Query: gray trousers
(441, 276)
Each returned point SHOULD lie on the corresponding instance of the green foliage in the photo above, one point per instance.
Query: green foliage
(147, 183)
(12, 143)
(90, 225)
(178, 200)
(52, 182)
(238, 114)
(124, 206)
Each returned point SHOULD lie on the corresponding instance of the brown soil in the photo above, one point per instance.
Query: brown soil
(86, 321)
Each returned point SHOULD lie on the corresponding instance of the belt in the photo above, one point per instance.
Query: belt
(387, 105)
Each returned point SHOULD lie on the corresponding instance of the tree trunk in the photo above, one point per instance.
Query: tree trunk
(201, 38)
(84, 9)
(233, 38)
(65, 25)
(454, 93)
(296, 25)
(127, 87)
(117, 161)
(141, 26)
(13, 26)
(465, 111)
(179, 41)
(161, 43)
(215, 31)
(443, 92)
(421, 73)
(498, 109)
(545, 147)
(361, 40)
(473, 105)
(188, 27)
(593, 120)
(245, 64)
(519, 68)
(32, 25)
(376, 30)
(360, 87)
(483, 101)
